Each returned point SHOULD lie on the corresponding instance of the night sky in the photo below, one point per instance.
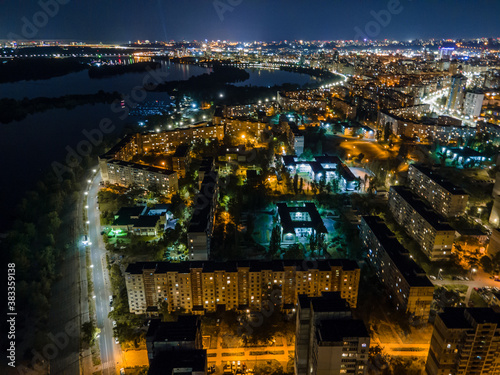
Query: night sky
(248, 20)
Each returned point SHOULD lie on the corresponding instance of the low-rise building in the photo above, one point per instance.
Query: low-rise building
(199, 287)
(300, 221)
(443, 196)
(409, 288)
(327, 167)
(465, 341)
(141, 220)
(431, 230)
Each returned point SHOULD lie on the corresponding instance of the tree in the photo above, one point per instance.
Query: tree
(295, 183)
(486, 263)
(387, 131)
(294, 251)
(275, 242)
(301, 184)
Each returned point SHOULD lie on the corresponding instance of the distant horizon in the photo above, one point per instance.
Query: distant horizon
(122, 21)
(153, 41)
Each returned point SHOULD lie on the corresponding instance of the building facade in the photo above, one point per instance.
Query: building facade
(126, 174)
(465, 341)
(428, 228)
(328, 341)
(199, 287)
(407, 284)
(200, 229)
(444, 197)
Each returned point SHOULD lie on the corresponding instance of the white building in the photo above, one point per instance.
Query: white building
(473, 104)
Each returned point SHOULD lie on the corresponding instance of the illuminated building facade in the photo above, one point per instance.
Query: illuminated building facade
(409, 288)
(125, 173)
(199, 287)
(425, 226)
(327, 339)
(442, 195)
(465, 341)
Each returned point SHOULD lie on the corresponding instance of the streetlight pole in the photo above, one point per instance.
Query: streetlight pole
(472, 270)
(439, 274)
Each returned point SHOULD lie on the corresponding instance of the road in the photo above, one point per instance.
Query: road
(480, 279)
(371, 149)
(110, 352)
(442, 110)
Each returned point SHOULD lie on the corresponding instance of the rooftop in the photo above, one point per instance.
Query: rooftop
(184, 329)
(411, 271)
(463, 318)
(338, 330)
(143, 167)
(179, 362)
(232, 266)
(289, 224)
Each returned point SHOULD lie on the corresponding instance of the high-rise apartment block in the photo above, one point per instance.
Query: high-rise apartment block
(200, 229)
(465, 341)
(456, 96)
(409, 288)
(443, 196)
(200, 287)
(429, 229)
(328, 340)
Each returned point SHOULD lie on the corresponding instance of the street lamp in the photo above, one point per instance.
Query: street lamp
(472, 271)
(439, 273)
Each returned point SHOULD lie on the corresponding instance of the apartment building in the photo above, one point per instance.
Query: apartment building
(465, 341)
(125, 173)
(405, 281)
(176, 347)
(202, 222)
(423, 128)
(444, 197)
(180, 159)
(241, 130)
(429, 229)
(168, 141)
(328, 340)
(199, 287)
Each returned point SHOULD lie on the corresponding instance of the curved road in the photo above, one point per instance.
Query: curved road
(110, 352)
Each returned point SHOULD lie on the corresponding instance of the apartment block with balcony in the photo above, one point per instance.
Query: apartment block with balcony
(431, 230)
(327, 339)
(406, 282)
(465, 341)
(199, 287)
(126, 174)
(443, 196)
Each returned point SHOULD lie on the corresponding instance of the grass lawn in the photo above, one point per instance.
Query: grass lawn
(477, 300)
(458, 287)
